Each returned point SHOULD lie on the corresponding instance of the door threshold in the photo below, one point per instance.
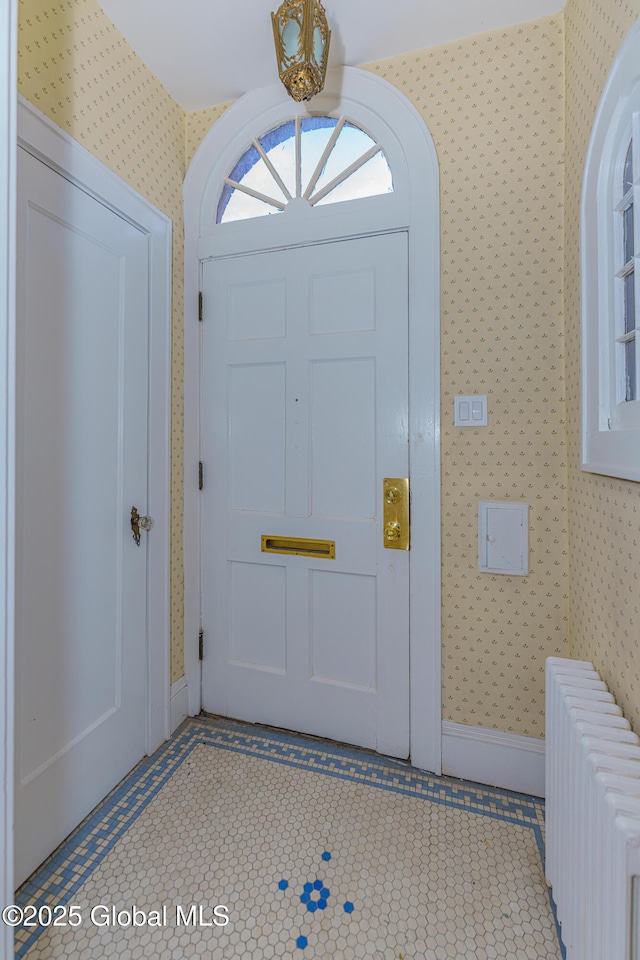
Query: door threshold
(285, 732)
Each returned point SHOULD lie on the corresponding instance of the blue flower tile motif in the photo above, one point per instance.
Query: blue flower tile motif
(315, 896)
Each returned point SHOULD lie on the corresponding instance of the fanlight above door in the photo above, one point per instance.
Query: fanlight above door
(321, 160)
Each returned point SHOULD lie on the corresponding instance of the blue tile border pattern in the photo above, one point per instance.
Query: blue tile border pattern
(57, 880)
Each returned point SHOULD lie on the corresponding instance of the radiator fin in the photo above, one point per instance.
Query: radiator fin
(592, 863)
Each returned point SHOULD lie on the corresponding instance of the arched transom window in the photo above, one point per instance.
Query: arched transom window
(321, 160)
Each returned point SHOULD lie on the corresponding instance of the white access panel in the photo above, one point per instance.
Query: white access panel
(503, 538)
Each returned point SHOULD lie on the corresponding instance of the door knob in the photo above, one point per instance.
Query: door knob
(392, 531)
(139, 523)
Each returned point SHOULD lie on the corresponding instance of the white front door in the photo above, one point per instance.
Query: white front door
(81, 465)
(304, 412)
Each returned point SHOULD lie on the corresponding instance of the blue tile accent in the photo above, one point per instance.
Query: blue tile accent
(301, 942)
(319, 903)
(60, 877)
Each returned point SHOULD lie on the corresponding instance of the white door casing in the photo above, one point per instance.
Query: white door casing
(8, 72)
(304, 399)
(94, 697)
(382, 110)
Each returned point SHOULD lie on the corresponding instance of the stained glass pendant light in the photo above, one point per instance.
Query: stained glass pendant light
(302, 37)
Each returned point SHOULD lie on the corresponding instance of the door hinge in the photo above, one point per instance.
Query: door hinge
(201, 644)
(200, 305)
(200, 476)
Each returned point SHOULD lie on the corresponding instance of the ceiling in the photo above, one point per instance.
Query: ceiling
(207, 52)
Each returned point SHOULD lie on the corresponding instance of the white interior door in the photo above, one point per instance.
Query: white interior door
(81, 465)
(304, 412)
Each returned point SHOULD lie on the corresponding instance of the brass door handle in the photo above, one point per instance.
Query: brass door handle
(392, 531)
(395, 499)
(139, 523)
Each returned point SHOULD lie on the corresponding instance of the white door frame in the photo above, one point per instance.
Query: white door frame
(44, 140)
(8, 45)
(375, 104)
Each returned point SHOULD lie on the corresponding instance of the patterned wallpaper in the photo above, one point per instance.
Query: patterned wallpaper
(197, 126)
(604, 513)
(77, 68)
(494, 105)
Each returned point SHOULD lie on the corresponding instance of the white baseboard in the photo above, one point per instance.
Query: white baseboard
(489, 756)
(179, 702)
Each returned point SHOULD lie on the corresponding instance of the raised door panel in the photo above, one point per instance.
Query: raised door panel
(257, 437)
(343, 438)
(257, 601)
(343, 302)
(344, 629)
(257, 310)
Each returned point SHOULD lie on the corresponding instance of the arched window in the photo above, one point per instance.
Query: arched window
(628, 305)
(611, 274)
(321, 160)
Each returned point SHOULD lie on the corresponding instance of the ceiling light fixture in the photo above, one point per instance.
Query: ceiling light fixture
(302, 37)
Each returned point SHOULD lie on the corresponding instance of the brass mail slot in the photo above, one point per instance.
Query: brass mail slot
(300, 546)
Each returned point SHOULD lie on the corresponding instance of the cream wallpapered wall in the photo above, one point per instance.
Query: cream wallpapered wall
(604, 513)
(197, 125)
(78, 69)
(494, 105)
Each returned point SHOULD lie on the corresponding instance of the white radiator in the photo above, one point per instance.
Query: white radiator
(592, 815)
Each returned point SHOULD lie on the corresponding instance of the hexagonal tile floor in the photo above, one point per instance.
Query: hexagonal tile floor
(234, 842)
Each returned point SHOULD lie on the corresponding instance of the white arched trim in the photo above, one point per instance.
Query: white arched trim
(610, 429)
(381, 109)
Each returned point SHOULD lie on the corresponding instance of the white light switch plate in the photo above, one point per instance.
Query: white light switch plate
(470, 412)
